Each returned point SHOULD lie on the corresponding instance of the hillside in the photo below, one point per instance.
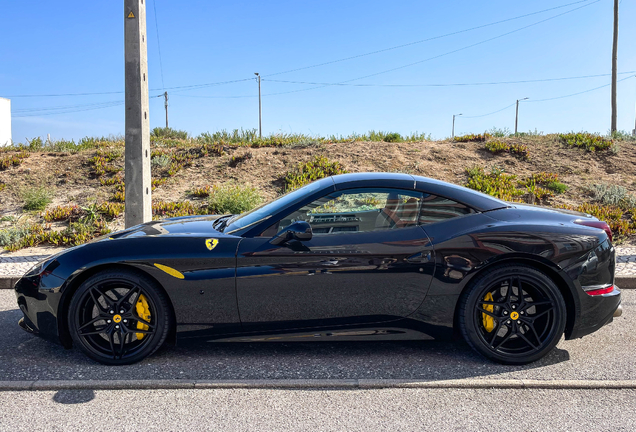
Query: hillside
(80, 178)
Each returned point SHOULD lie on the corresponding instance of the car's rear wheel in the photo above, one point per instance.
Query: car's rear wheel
(512, 314)
(119, 317)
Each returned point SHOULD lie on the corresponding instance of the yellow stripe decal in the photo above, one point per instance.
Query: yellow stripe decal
(172, 272)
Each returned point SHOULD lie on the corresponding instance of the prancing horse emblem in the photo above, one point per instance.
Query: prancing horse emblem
(211, 243)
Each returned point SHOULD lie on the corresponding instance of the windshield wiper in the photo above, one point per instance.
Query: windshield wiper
(221, 222)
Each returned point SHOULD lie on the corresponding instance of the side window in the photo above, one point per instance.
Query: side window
(358, 210)
(438, 209)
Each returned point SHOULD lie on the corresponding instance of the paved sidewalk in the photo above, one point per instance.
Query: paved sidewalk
(15, 265)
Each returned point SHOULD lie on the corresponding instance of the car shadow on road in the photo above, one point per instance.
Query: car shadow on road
(26, 357)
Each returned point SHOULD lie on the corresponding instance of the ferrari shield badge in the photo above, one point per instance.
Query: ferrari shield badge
(211, 243)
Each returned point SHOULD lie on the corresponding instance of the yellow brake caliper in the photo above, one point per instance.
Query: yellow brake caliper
(487, 320)
(143, 311)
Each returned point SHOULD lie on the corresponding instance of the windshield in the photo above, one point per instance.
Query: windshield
(272, 207)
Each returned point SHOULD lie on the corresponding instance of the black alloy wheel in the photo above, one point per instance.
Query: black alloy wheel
(513, 314)
(118, 317)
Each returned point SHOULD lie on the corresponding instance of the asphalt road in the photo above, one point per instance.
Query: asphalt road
(308, 410)
(606, 354)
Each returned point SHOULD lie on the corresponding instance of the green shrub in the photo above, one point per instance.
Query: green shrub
(613, 195)
(202, 192)
(588, 141)
(233, 198)
(110, 210)
(13, 160)
(62, 213)
(518, 150)
(162, 209)
(416, 137)
(315, 169)
(35, 144)
(499, 133)
(36, 198)
(473, 137)
(496, 183)
(161, 160)
(497, 147)
(167, 132)
(622, 135)
(11, 236)
(556, 186)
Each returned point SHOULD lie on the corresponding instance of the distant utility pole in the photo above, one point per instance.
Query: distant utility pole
(165, 95)
(137, 164)
(260, 125)
(517, 114)
(614, 58)
(453, 131)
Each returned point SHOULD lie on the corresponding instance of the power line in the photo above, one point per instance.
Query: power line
(194, 86)
(578, 93)
(64, 107)
(449, 84)
(154, 7)
(105, 105)
(548, 99)
(305, 67)
(494, 112)
(443, 54)
(424, 40)
(346, 82)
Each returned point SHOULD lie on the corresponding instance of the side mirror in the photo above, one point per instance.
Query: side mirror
(300, 231)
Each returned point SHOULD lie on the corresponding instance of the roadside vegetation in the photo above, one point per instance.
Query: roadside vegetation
(65, 192)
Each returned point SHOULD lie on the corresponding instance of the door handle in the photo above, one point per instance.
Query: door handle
(419, 258)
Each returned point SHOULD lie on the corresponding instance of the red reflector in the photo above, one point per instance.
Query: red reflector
(596, 224)
(601, 291)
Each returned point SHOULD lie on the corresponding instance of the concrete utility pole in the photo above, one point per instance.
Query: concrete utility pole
(260, 125)
(453, 131)
(517, 114)
(165, 95)
(614, 58)
(137, 165)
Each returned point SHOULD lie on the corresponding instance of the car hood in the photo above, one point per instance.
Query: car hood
(179, 226)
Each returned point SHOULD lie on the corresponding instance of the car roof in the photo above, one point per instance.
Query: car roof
(477, 200)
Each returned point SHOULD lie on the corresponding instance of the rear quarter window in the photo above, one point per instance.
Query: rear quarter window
(438, 209)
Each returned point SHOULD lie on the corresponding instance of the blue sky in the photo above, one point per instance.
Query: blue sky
(77, 47)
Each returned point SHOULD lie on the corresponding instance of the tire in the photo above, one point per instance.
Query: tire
(509, 328)
(119, 317)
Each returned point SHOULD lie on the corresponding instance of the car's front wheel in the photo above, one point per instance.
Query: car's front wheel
(512, 314)
(119, 317)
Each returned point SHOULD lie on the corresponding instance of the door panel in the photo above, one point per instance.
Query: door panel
(333, 279)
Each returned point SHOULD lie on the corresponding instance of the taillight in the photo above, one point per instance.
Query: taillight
(596, 224)
(600, 291)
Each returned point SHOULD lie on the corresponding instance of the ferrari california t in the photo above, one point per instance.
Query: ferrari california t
(354, 257)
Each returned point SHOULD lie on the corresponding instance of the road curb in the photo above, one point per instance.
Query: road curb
(623, 282)
(344, 384)
(7, 282)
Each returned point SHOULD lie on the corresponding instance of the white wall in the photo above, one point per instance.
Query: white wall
(5, 122)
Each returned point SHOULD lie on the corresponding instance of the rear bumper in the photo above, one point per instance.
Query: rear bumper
(596, 311)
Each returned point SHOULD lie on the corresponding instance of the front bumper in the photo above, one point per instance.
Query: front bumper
(39, 298)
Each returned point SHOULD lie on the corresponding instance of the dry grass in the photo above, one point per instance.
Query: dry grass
(69, 175)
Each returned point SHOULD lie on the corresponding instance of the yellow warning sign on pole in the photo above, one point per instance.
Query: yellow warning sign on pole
(131, 15)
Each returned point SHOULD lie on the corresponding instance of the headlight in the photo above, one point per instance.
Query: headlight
(40, 267)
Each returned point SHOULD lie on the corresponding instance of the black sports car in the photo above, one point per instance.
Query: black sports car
(369, 256)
